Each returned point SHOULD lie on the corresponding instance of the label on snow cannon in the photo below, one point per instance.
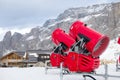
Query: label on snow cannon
(60, 37)
(77, 62)
(96, 42)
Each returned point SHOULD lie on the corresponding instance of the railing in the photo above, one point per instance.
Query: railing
(105, 75)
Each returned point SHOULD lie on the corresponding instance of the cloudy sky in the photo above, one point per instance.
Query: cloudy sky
(21, 15)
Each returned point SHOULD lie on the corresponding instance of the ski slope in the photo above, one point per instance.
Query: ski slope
(112, 51)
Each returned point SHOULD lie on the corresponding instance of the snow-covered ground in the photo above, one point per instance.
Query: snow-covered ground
(38, 73)
(112, 51)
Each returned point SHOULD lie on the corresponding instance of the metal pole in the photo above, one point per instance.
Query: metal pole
(46, 67)
(106, 72)
(61, 71)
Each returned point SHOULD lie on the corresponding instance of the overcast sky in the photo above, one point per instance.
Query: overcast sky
(20, 14)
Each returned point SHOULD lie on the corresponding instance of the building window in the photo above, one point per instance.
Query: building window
(45, 57)
(48, 57)
(42, 56)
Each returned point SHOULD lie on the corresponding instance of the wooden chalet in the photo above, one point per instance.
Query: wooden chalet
(27, 58)
(15, 59)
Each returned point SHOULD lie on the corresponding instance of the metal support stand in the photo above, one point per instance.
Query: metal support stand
(49, 67)
(106, 72)
(61, 71)
(117, 66)
(105, 75)
(46, 67)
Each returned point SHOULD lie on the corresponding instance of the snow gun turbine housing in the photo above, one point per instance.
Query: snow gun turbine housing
(95, 42)
(90, 45)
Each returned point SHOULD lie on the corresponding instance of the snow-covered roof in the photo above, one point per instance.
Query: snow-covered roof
(39, 51)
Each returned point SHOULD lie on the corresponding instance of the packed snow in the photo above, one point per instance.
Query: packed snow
(38, 73)
(112, 51)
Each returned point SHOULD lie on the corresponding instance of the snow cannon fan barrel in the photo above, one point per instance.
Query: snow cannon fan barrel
(59, 37)
(64, 42)
(95, 42)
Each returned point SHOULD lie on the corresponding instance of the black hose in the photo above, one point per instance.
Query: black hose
(89, 76)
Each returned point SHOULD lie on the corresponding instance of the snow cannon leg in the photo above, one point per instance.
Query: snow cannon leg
(95, 42)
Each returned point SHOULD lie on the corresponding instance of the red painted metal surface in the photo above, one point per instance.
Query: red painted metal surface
(87, 63)
(81, 63)
(72, 61)
(119, 40)
(59, 36)
(56, 59)
(97, 42)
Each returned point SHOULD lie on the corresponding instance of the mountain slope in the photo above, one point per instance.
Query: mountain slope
(104, 18)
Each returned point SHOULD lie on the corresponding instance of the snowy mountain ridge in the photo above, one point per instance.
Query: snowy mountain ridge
(104, 18)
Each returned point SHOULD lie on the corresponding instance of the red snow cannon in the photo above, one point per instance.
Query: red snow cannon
(119, 40)
(64, 42)
(95, 42)
(59, 37)
(81, 63)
